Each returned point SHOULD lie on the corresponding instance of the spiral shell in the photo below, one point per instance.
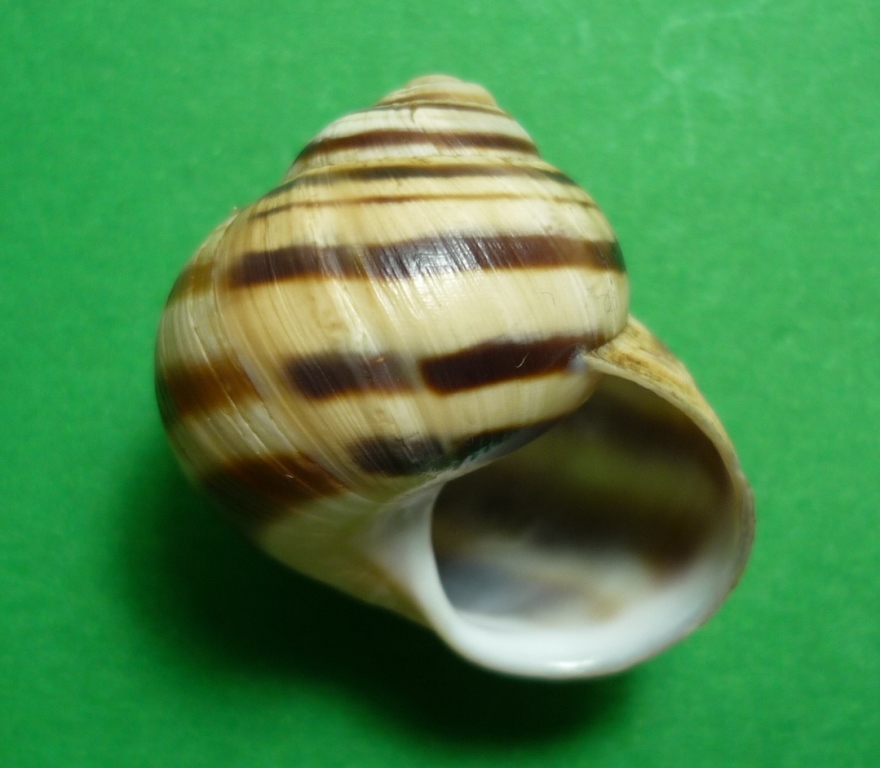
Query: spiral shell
(361, 364)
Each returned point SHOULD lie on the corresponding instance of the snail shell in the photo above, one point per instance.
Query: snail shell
(409, 371)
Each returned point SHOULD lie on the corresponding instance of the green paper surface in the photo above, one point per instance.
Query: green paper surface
(736, 149)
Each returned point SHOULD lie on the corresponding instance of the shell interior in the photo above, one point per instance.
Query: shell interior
(593, 547)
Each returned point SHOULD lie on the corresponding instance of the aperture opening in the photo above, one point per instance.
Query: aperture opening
(606, 539)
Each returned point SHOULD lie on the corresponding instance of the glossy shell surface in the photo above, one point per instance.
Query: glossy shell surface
(421, 297)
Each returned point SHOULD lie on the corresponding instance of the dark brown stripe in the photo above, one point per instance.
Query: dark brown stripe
(416, 170)
(404, 457)
(496, 362)
(494, 443)
(327, 375)
(195, 278)
(399, 456)
(458, 98)
(330, 374)
(424, 257)
(435, 101)
(442, 140)
(192, 389)
(419, 198)
(257, 489)
(167, 409)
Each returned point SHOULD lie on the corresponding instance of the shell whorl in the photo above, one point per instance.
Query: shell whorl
(419, 292)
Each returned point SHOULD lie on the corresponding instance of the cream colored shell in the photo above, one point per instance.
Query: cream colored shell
(403, 317)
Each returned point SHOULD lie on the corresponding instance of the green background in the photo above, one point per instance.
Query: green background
(735, 148)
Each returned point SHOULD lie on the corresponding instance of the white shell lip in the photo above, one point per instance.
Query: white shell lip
(512, 646)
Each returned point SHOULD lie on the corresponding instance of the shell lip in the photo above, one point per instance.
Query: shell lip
(534, 566)
(513, 649)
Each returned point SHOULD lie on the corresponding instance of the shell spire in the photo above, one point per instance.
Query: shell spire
(362, 363)
(430, 117)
